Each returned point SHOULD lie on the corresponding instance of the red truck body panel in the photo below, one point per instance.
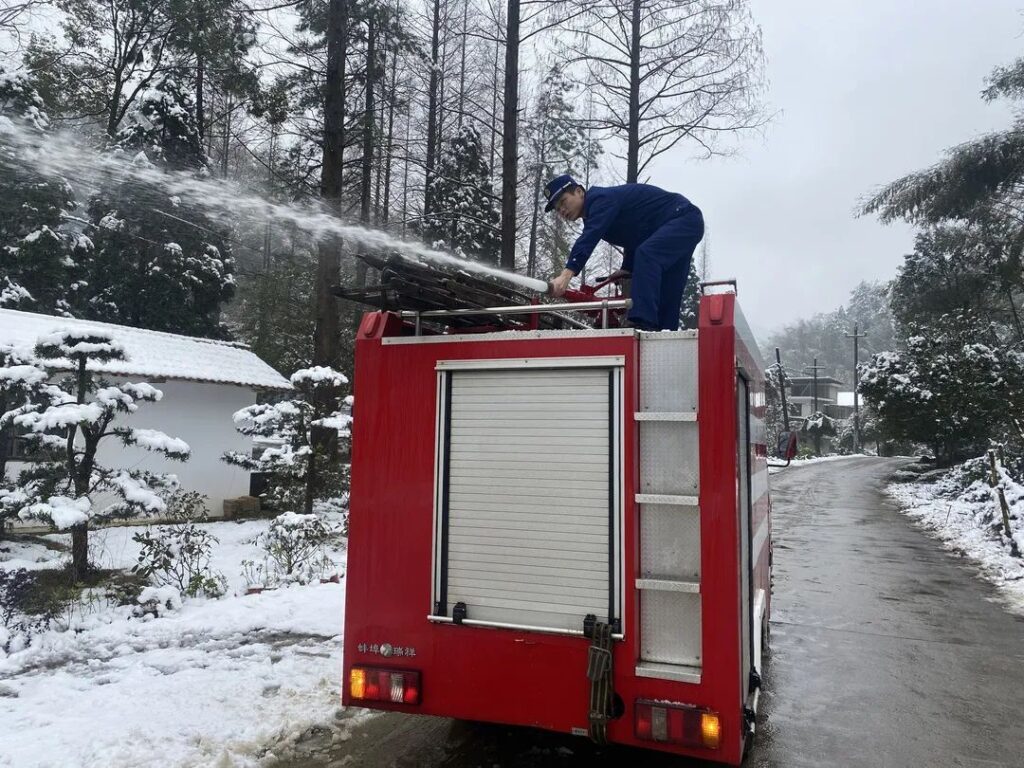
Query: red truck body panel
(521, 677)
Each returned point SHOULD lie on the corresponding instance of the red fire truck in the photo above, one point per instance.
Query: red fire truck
(564, 529)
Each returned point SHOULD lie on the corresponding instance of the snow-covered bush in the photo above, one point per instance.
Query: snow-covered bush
(157, 601)
(22, 384)
(78, 416)
(15, 586)
(296, 546)
(178, 554)
(819, 425)
(954, 388)
(302, 436)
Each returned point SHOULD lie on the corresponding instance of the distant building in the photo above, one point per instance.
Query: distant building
(843, 407)
(203, 383)
(800, 394)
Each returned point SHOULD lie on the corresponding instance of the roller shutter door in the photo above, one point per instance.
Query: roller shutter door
(528, 506)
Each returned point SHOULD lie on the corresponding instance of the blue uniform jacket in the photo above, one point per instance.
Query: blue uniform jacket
(624, 216)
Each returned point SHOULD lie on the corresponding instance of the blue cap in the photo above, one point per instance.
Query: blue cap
(556, 187)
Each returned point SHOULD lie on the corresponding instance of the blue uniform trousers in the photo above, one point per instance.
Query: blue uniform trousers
(660, 268)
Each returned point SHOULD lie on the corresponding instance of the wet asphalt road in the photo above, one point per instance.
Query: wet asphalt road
(885, 652)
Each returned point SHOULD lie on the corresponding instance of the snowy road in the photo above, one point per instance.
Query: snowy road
(886, 652)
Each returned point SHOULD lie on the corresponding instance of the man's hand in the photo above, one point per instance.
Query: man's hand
(560, 283)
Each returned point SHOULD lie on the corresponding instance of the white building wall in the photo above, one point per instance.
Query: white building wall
(200, 414)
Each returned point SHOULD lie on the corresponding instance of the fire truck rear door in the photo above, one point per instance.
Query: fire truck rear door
(527, 524)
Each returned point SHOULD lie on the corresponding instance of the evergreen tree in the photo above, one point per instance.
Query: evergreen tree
(464, 213)
(39, 256)
(212, 38)
(77, 417)
(557, 142)
(158, 263)
(689, 310)
(22, 385)
(955, 386)
(294, 461)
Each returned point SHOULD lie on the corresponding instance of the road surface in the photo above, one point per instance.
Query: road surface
(885, 652)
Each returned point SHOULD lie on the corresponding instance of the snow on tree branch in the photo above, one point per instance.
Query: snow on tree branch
(156, 441)
(70, 343)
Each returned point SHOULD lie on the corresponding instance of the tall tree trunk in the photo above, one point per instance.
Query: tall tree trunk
(227, 138)
(389, 144)
(200, 77)
(114, 107)
(326, 346)
(510, 139)
(432, 137)
(405, 171)
(366, 181)
(531, 258)
(494, 95)
(80, 473)
(1015, 314)
(326, 333)
(462, 62)
(633, 131)
(369, 117)
(79, 552)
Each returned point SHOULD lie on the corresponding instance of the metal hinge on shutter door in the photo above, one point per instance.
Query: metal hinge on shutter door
(669, 488)
(526, 522)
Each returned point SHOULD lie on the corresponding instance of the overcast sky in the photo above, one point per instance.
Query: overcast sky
(865, 91)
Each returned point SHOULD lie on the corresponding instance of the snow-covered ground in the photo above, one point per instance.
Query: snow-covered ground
(218, 682)
(962, 511)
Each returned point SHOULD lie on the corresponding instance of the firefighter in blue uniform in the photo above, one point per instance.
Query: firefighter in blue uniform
(657, 230)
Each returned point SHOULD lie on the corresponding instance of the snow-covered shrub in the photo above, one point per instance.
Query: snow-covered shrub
(75, 419)
(178, 554)
(22, 384)
(255, 574)
(302, 438)
(296, 546)
(954, 388)
(15, 587)
(819, 424)
(157, 601)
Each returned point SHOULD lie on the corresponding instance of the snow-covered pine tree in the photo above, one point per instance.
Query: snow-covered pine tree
(464, 211)
(689, 310)
(298, 473)
(557, 141)
(39, 254)
(158, 263)
(76, 417)
(22, 384)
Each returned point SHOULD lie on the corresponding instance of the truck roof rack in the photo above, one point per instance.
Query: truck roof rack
(603, 306)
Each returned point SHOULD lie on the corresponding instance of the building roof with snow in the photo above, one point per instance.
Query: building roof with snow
(153, 354)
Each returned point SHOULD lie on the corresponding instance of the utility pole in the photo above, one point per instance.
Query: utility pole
(856, 336)
(814, 369)
(782, 389)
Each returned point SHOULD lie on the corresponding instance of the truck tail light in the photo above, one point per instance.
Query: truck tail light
(397, 686)
(677, 724)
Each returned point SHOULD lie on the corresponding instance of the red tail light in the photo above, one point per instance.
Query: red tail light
(397, 686)
(677, 724)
